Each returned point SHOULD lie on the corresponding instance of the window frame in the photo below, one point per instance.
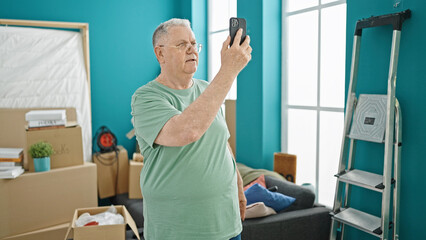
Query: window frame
(284, 87)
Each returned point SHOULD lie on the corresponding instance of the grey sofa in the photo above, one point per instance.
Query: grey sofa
(303, 220)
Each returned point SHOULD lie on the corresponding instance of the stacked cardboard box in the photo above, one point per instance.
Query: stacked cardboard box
(13, 129)
(66, 142)
(40, 205)
(50, 233)
(35, 201)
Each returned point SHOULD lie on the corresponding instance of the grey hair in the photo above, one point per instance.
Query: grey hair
(164, 27)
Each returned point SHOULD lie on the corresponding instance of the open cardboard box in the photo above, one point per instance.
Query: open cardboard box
(105, 232)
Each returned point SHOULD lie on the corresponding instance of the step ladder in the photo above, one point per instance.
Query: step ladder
(373, 118)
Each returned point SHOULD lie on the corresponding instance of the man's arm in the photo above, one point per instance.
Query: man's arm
(194, 121)
(241, 197)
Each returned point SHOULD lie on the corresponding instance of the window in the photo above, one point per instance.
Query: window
(314, 36)
(219, 12)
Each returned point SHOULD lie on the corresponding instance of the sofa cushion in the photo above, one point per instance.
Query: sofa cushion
(275, 200)
(260, 180)
(258, 209)
(305, 198)
(249, 174)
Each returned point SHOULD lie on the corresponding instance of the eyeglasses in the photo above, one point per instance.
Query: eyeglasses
(186, 46)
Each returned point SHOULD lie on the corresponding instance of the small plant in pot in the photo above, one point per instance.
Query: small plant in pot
(41, 152)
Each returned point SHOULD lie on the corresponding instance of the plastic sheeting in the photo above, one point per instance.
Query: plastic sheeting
(45, 68)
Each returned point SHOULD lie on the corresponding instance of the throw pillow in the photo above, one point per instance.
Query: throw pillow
(258, 209)
(260, 180)
(275, 200)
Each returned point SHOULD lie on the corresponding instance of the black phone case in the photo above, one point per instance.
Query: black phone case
(234, 26)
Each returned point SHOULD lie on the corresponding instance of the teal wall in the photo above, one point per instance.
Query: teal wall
(410, 91)
(258, 121)
(121, 54)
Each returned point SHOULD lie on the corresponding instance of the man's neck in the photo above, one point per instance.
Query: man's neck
(175, 82)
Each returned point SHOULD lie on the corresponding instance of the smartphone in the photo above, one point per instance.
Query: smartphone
(234, 25)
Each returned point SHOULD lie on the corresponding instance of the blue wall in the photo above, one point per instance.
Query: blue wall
(410, 91)
(121, 54)
(258, 122)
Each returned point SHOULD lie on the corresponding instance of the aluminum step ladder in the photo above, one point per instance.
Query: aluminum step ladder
(373, 118)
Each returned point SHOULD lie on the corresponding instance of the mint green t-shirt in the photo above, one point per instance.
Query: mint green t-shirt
(189, 192)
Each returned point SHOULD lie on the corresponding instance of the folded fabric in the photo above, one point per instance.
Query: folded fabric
(260, 180)
(258, 209)
(275, 200)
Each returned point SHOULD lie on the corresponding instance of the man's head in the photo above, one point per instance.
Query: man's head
(175, 47)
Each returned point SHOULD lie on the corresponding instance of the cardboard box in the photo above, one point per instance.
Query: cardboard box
(66, 142)
(12, 127)
(34, 201)
(107, 172)
(135, 169)
(50, 233)
(106, 232)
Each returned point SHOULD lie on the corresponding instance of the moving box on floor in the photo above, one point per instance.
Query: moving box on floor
(135, 169)
(108, 181)
(34, 201)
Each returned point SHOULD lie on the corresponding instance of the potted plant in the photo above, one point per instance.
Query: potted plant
(41, 152)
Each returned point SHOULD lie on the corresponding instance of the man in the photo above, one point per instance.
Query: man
(190, 183)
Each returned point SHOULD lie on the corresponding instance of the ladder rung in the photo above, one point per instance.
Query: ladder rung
(360, 220)
(364, 139)
(363, 179)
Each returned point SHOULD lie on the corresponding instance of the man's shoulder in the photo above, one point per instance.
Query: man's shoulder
(147, 88)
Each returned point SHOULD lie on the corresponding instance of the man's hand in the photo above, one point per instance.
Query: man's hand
(241, 197)
(243, 202)
(236, 57)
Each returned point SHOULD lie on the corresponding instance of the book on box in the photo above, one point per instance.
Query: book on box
(11, 153)
(46, 123)
(11, 173)
(36, 115)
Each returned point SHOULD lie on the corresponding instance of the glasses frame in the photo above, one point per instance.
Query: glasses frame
(197, 46)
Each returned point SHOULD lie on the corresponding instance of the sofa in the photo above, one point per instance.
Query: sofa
(303, 220)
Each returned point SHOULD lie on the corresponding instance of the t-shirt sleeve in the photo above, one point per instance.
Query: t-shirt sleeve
(150, 111)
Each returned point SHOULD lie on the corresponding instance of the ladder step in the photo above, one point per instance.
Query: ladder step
(360, 220)
(363, 179)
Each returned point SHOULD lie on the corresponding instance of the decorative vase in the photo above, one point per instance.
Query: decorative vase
(42, 164)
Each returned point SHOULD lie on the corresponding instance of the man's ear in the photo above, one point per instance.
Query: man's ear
(159, 54)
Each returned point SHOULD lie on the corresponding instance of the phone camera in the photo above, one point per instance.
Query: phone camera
(234, 22)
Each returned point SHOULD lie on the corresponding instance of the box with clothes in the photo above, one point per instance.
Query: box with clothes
(94, 229)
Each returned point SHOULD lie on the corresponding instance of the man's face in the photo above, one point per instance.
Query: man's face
(178, 56)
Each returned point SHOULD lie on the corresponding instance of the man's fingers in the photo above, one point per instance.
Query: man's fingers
(242, 210)
(246, 42)
(226, 43)
(237, 38)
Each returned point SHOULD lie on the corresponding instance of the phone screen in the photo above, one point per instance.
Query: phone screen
(234, 25)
